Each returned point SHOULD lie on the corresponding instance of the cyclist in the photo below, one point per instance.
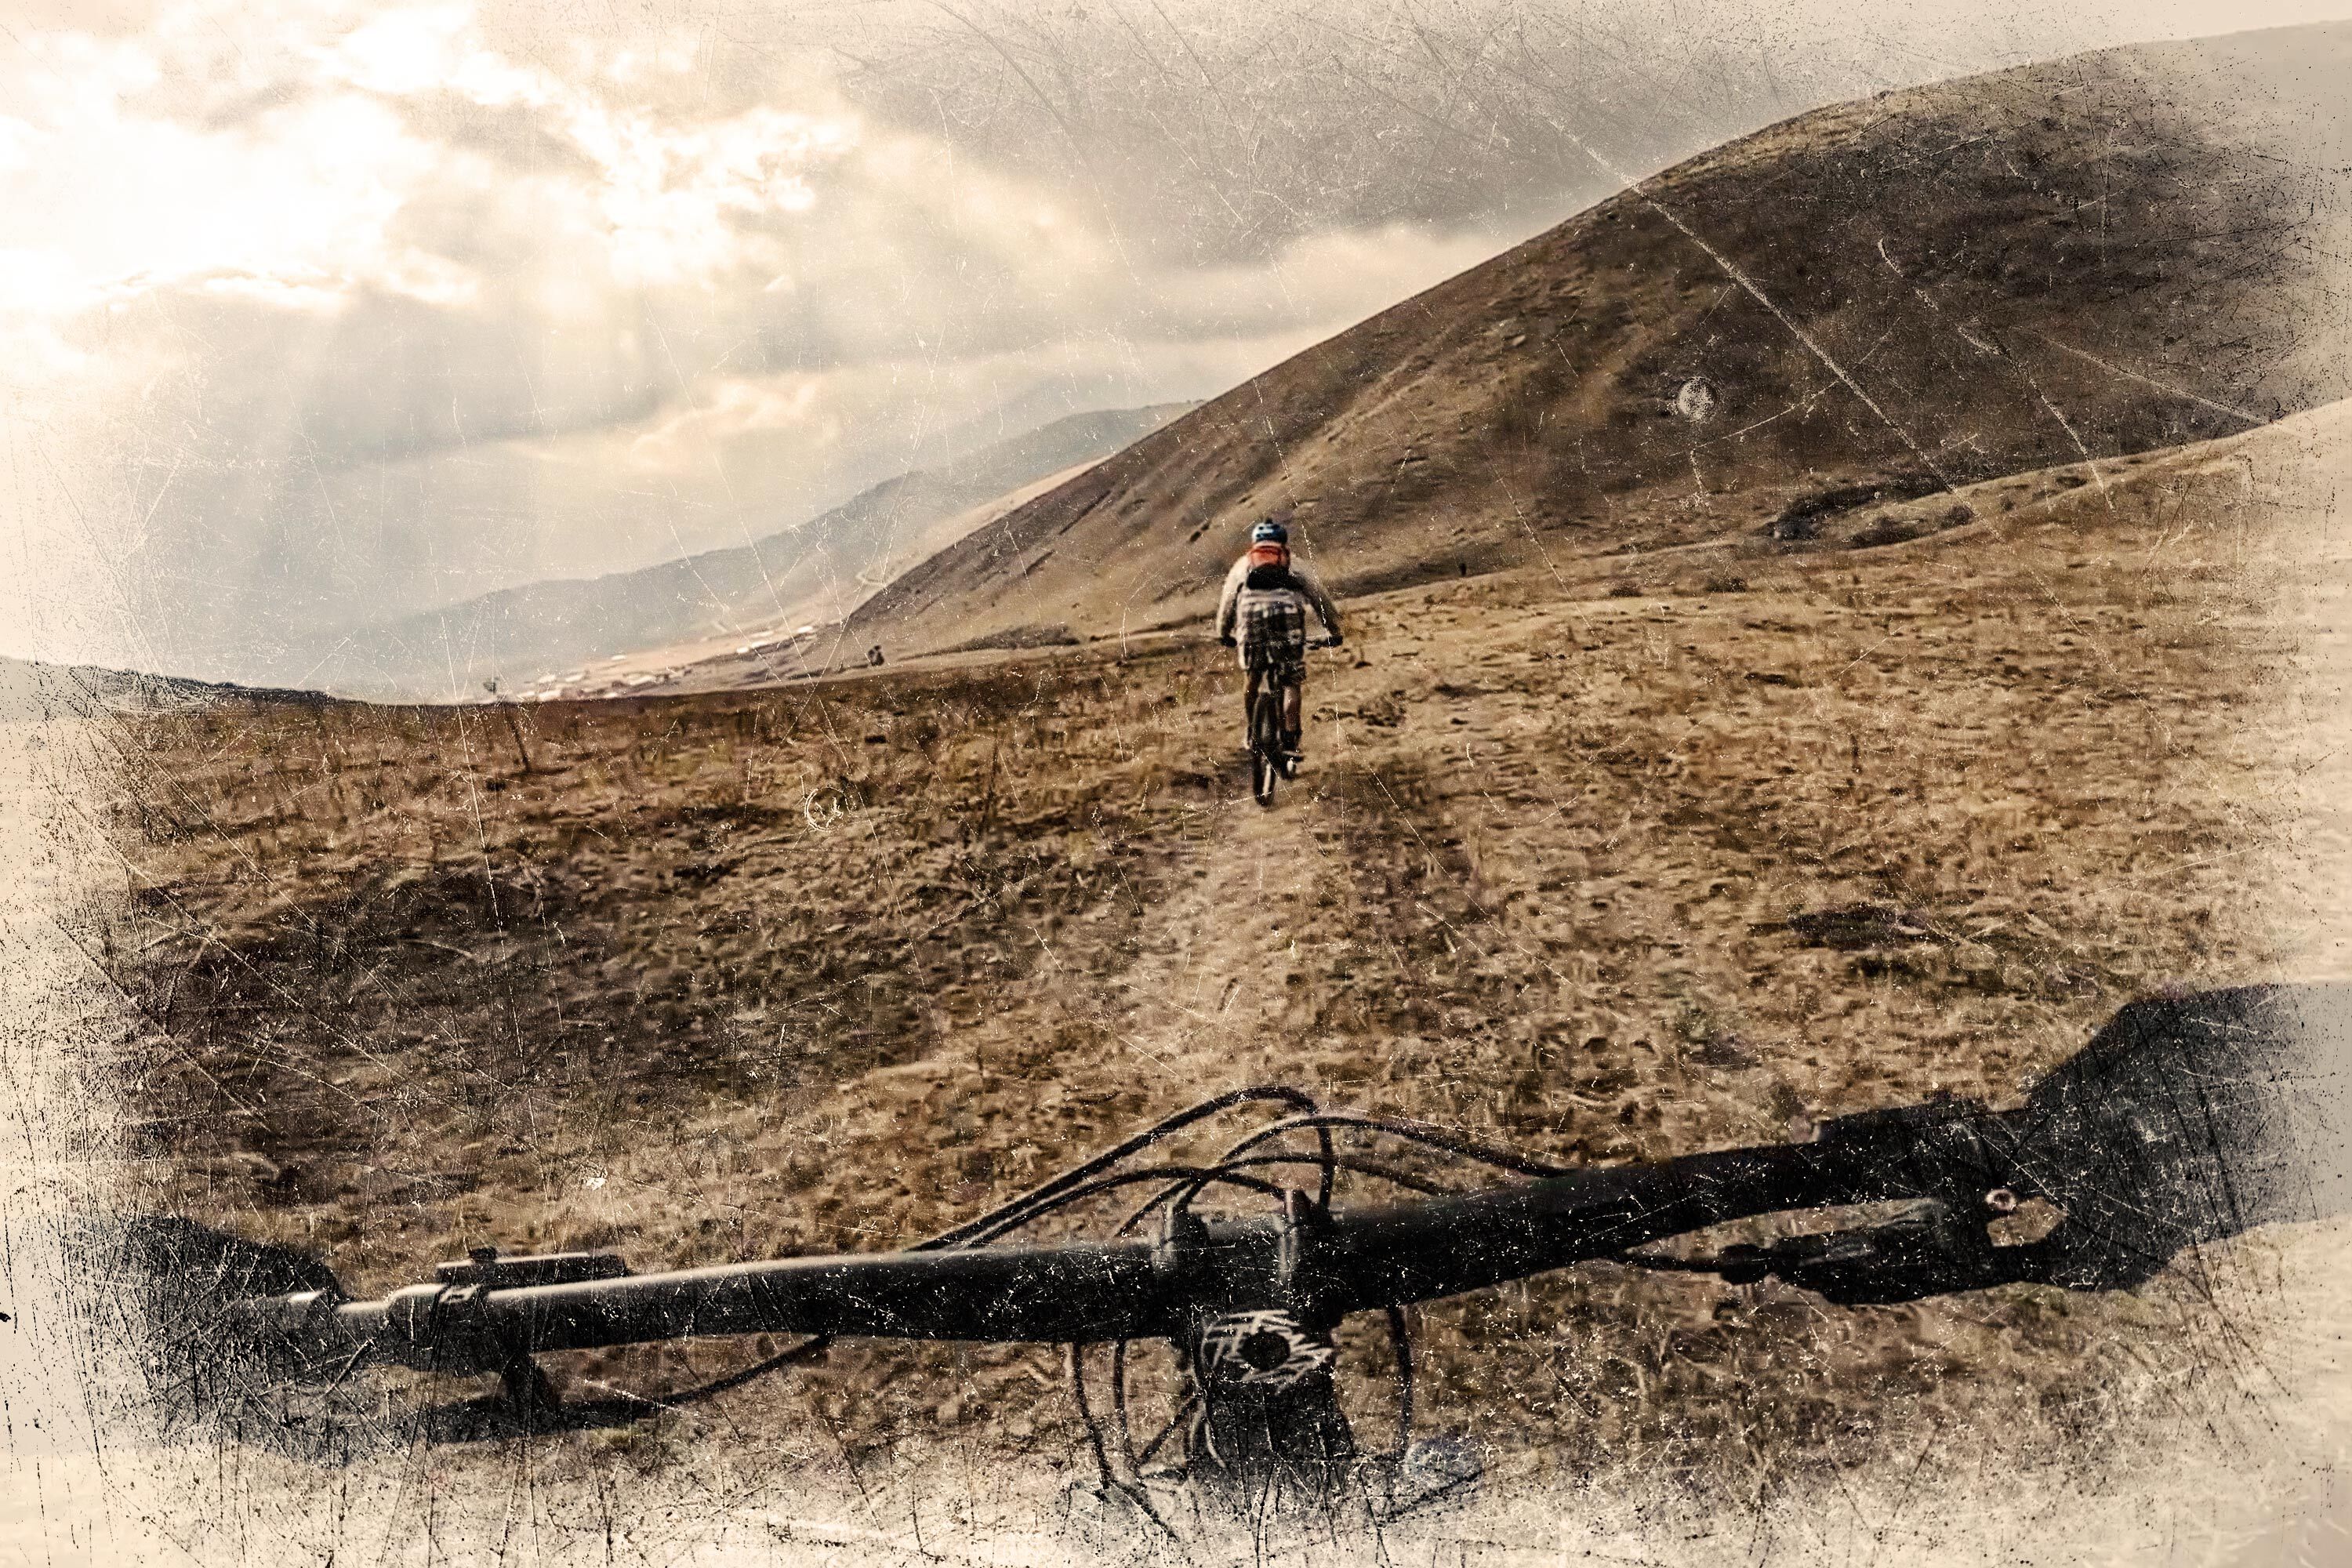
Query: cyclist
(1264, 610)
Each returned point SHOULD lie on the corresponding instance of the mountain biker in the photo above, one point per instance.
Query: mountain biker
(1265, 601)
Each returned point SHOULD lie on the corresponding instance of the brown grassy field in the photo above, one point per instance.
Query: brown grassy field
(831, 966)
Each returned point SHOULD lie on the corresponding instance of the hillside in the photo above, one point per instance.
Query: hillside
(32, 690)
(818, 571)
(2113, 253)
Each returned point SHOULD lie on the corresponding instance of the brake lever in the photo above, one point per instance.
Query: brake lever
(1929, 1250)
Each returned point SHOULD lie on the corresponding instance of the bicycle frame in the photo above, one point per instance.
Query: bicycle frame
(1265, 734)
(1263, 705)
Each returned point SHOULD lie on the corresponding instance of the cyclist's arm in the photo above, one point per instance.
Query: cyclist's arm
(1230, 600)
(1316, 594)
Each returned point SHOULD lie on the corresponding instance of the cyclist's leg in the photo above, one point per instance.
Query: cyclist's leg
(1292, 678)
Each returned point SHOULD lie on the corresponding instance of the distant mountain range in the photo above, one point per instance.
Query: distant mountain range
(816, 571)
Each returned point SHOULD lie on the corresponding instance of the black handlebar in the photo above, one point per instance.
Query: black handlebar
(1332, 640)
(2184, 1121)
(1321, 1265)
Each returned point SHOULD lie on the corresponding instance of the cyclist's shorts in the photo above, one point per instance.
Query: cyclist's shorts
(1273, 632)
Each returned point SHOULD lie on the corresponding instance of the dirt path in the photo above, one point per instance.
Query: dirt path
(1214, 981)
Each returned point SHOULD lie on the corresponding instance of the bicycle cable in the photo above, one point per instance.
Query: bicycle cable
(1183, 1184)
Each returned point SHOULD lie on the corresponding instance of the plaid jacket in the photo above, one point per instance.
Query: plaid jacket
(1307, 586)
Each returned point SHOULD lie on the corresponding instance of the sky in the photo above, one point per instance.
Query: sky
(315, 314)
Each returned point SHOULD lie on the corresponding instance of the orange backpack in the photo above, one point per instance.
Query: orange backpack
(1269, 564)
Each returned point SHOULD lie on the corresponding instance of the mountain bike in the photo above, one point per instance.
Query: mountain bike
(2184, 1121)
(1270, 761)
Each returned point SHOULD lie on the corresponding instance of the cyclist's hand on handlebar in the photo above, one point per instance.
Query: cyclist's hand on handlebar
(1334, 640)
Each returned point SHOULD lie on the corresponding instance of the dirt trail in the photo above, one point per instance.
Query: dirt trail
(1214, 982)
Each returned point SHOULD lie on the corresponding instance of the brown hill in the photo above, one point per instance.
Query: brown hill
(2112, 253)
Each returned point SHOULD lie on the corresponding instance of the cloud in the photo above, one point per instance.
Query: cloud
(312, 312)
(386, 310)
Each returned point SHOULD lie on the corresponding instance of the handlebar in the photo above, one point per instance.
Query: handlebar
(2183, 1120)
(2162, 1133)
(1331, 640)
(1321, 1266)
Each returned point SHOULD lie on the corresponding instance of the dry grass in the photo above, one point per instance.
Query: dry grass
(830, 967)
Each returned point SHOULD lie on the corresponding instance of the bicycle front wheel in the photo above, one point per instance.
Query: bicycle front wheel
(1266, 745)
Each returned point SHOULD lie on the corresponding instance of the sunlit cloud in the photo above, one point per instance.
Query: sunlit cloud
(310, 184)
(385, 306)
(334, 308)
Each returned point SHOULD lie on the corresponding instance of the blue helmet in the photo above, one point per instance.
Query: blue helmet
(1270, 533)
